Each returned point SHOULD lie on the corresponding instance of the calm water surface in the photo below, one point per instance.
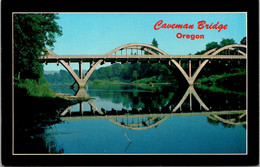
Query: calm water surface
(162, 120)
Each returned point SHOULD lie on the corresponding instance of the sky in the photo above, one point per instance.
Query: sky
(99, 33)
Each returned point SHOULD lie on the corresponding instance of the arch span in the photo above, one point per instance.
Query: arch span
(138, 46)
(230, 47)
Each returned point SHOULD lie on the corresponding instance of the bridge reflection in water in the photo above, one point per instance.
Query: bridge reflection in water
(145, 118)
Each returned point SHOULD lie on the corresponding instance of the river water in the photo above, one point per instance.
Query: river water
(164, 119)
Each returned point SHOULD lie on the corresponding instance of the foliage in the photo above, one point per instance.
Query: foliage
(243, 41)
(212, 45)
(220, 68)
(146, 80)
(33, 88)
(216, 78)
(62, 76)
(32, 33)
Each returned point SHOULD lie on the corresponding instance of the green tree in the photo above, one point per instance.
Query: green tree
(227, 41)
(32, 32)
(135, 75)
(155, 43)
(243, 41)
(211, 45)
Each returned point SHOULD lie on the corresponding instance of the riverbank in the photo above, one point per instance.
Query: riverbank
(32, 116)
(227, 83)
(217, 79)
(145, 83)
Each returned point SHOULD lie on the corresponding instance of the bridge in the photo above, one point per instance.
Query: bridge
(140, 52)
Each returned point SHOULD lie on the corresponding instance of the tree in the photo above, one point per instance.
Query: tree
(227, 41)
(211, 45)
(243, 41)
(135, 75)
(32, 33)
(155, 43)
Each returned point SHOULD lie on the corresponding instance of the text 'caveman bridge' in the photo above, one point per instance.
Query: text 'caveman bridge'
(139, 52)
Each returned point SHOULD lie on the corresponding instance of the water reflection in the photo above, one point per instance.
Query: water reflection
(166, 115)
(148, 116)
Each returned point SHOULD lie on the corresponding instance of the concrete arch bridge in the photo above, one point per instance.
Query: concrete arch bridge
(140, 52)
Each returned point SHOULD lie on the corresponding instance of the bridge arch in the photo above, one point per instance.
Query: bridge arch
(230, 47)
(138, 46)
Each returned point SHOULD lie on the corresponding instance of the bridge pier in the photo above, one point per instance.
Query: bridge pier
(190, 78)
(80, 80)
(80, 69)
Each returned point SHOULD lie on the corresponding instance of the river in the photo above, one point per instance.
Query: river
(164, 119)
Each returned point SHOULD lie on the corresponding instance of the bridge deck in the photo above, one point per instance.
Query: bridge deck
(123, 58)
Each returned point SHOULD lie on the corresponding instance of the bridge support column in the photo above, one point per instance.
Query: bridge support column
(80, 80)
(190, 78)
(190, 68)
(80, 69)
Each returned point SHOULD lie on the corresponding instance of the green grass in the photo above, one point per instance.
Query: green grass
(35, 89)
(213, 82)
(145, 80)
(99, 82)
(215, 78)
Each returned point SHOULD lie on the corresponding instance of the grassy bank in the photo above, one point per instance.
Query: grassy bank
(42, 106)
(97, 81)
(33, 88)
(216, 79)
(226, 83)
(150, 83)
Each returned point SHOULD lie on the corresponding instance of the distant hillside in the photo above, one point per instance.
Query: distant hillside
(53, 72)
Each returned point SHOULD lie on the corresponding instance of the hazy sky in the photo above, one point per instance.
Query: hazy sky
(99, 33)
